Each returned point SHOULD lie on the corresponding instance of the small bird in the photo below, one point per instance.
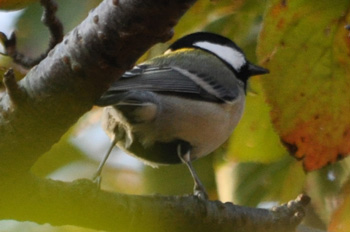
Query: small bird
(179, 106)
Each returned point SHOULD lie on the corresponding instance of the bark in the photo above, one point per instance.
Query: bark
(81, 203)
(61, 88)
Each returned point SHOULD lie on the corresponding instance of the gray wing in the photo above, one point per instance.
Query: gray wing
(167, 80)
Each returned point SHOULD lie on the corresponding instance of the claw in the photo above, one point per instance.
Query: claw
(97, 179)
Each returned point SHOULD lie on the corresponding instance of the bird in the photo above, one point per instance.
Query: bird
(181, 105)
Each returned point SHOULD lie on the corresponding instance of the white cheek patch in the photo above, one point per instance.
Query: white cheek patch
(233, 57)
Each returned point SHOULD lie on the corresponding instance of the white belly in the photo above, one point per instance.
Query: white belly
(205, 125)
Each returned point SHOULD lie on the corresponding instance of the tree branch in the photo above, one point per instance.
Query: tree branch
(81, 203)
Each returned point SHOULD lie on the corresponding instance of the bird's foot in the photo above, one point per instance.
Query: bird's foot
(201, 193)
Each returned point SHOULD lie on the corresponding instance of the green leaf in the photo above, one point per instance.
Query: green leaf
(254, 139)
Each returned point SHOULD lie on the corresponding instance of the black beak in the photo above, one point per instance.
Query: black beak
(256, 70)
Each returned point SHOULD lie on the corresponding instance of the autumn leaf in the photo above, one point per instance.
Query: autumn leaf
(307, 48)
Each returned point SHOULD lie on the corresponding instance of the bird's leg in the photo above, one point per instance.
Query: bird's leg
(97, 176)
(185, 157)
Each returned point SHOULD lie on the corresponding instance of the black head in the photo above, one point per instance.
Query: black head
(223, 48)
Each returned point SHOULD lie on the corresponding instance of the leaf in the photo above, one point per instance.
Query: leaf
(204, 13)
(254, 139)
(306, 47)
(15, 4)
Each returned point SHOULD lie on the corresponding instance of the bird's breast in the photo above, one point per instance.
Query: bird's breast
(205, 125)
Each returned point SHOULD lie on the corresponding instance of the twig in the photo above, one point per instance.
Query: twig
(56, 35)
(12, 88)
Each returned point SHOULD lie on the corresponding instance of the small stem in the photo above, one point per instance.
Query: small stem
(13, 90)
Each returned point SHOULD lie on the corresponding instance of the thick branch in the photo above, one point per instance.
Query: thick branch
(81, 203)
(65, 84)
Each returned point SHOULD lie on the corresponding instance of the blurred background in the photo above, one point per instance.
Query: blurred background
(253, 168)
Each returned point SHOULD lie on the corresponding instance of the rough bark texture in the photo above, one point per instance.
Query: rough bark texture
(38, 110)
(55, 93)
(81, 203)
